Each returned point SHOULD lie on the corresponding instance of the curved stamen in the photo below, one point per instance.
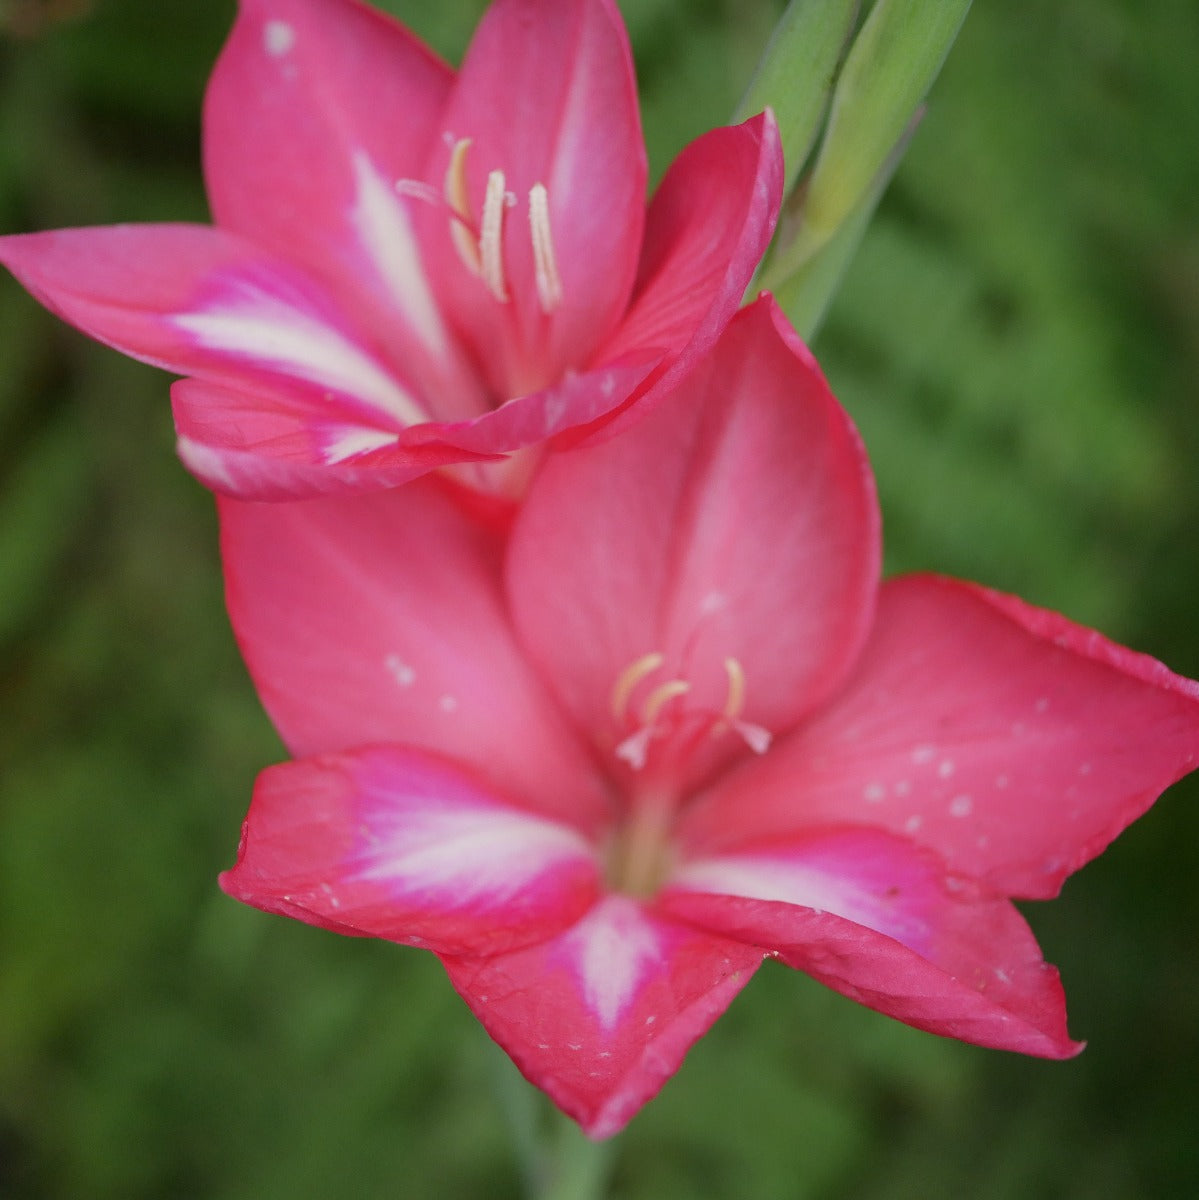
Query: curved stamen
(458, 199)
(662, 695)
(549, 282)
(736, 697)
(491, 244)
(628, 680)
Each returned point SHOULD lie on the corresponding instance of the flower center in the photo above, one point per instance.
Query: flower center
(480, 244)
(656, 714)
(660, 726)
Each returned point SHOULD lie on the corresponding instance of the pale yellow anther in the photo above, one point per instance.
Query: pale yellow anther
(545, 264)
(456, 196)
(736, 697)
(629, 678)
(660, 697)
(491, 236)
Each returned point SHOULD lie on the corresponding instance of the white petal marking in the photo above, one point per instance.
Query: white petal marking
(614, 948)
(465, 855)
(348, 441)
(266, 330)
(387, 235)
(776, 879)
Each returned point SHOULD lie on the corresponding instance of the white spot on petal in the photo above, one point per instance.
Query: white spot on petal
(903, 788)
(946, 768)
(399, 670)
(913, 823)
(874, 792)
(447, 704)
(1042, 704)
(961, 806)
(923, 754)
(278, 37)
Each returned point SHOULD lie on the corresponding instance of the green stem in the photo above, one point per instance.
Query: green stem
(574, 1167)
(557, 1160)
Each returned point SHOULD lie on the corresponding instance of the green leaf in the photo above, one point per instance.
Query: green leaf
(796, 73)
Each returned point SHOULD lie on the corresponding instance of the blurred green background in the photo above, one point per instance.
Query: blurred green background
(1019, 341)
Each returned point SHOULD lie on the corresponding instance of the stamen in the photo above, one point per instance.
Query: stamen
(756, 737)
(629, 678)
(459, 201)
(736, 698)
(662, 695)
(549, 282)
(491, 245)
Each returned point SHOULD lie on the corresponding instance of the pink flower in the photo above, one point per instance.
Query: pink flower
(674, 726)
(411, 268)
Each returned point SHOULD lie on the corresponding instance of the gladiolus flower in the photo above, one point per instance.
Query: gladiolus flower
(411, 268)
(673, 726)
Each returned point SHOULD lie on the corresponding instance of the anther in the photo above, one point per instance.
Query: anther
(461, 224)
(629, 678)
(549, 282)
(491, 244)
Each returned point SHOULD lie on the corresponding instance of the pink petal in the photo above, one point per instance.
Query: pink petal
(881, 922)
(315, 110)
(546, 96)
(710, 222)
(245, 443)
(379, 619)
(391, 843)
(738, 522)
(199, 301)
(575, 399)
(1015, 744)
(601, 1016)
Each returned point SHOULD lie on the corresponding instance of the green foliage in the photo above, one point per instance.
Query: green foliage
(1018, 339)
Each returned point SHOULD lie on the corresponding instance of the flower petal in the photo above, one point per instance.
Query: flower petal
(881, 922)
(316, 110)
(601, 1016)
(379, 619)
(245, 443)
(1014, 743)
(546, 95)
(576, 399)
(388, 842)
(738, 523)
(710, 222)
(203, 302)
